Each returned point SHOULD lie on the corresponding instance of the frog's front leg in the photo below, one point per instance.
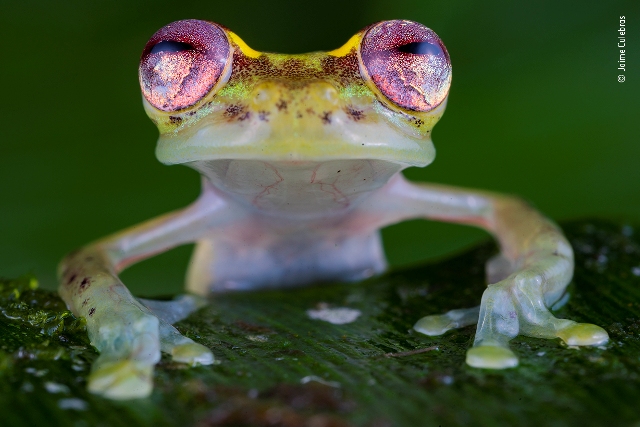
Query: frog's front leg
(127, 333)
(531, 273)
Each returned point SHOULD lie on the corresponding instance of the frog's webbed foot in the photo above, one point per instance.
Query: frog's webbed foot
(516, 305)
(130, 338)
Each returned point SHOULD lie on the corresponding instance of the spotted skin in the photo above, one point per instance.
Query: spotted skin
(293, 73)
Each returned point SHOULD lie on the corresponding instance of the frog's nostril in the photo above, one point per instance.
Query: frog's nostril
(261, 96)
(323, 92)
(331, 95)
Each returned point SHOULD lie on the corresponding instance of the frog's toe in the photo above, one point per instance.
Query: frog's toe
(583, 334)
(192, 353)
(439, 324)
(183, 349)
(491, 357)
(121, 380)
(433, 325)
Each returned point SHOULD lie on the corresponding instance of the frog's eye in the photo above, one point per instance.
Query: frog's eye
(408, 63)
(182, 62)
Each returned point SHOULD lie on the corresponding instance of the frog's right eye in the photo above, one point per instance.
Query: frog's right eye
(408, 63)
(182, 62)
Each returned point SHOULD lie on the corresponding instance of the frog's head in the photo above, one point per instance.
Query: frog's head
(376, 97)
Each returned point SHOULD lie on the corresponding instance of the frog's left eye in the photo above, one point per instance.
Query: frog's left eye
(182, 62)
(408, 63)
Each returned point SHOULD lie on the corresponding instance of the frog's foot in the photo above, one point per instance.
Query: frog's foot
(129, 345)
(441, 323)
(517, 306)
(513, 306)
(130, 337)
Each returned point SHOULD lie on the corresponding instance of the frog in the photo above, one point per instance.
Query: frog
(301, 159)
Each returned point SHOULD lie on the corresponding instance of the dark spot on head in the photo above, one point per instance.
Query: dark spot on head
(354, 113)
(245, 116)
(91, 311)
(175, 120)
(326, 117)
(233, 110)
(339, 171)
(86, 300)
(281, 105)
(263, 115)
(72, 278)
(299, 115)
(84, 283)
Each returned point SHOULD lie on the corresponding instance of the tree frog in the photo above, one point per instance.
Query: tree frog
(300, 157)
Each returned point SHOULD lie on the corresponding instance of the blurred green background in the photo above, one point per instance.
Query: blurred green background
(535, 109)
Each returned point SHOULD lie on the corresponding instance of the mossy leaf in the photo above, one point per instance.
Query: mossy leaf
(281, 367)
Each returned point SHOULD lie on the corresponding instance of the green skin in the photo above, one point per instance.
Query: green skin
(297, 194)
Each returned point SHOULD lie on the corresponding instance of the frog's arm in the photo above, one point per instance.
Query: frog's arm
(530, 274)
(128, 336)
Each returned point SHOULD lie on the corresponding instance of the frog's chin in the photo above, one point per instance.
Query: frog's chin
(211, 144)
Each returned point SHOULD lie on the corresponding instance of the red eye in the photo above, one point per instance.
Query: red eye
(408, 63)
(182, 62)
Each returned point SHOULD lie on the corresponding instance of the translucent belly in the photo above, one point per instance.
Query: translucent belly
(271, 261)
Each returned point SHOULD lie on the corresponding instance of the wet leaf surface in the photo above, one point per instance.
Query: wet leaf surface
(279, 367)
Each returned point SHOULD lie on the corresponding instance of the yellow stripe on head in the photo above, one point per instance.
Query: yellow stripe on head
(243, 46)
(346, 48)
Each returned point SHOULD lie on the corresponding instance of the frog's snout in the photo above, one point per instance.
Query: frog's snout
(298, 99)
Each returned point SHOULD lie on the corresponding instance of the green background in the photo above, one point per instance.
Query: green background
(535, 109)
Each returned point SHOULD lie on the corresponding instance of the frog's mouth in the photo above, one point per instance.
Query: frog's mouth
(342, 139)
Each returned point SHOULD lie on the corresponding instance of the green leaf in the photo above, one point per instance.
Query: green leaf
(279, 367)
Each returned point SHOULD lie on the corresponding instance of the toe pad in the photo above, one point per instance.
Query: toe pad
(433, 325)
(583, 334)
(126, 379)
(192, 354)
(491, 357)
